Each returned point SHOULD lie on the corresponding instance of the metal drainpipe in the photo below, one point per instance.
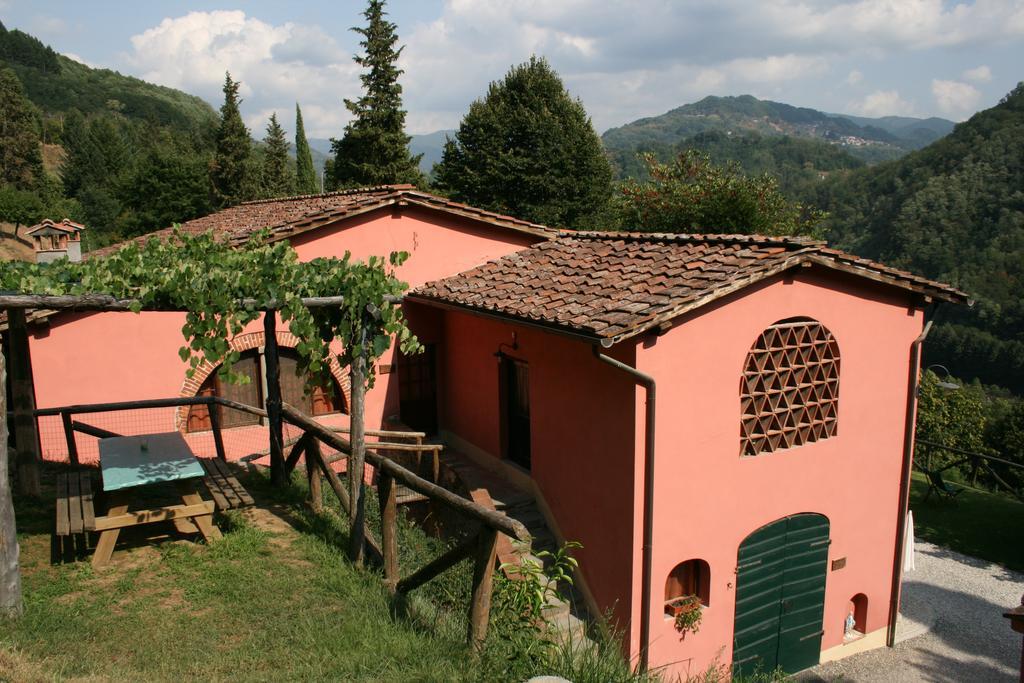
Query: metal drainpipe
(908, 461)
(645, 583)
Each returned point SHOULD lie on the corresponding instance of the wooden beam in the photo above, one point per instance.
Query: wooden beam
(23, 404)
(313, 475)
(106, 302)
(388, 499)
(131, 405)
(278, 475)
(297, 450)
(339, 490)
(492, 518)
(69, 437)
(92, 431)
(119, 521)
(218, 437)
(483, 585)
(11, 605)
(357, 453)
(438, 565)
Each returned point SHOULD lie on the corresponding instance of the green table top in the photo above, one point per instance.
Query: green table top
(127, 461)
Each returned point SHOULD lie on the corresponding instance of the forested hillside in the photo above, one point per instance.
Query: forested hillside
(952, 211)
(868, 139)
(799, 164)
(57, 84)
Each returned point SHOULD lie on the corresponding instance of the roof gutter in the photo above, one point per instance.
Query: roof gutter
(913, 384)
(645, 588)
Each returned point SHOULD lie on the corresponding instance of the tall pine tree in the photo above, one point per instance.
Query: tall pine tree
(375, 148)
(21, 161)
(230, 167)
(277, 175)
(306, 181)
(528, 149)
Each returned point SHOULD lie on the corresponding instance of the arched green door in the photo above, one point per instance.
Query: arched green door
(780, 595)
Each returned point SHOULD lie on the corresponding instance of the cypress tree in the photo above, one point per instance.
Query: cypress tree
(277, 176)
(21, 161)
(375, 148)
(528, 149)
(229, 167)
(306, 181)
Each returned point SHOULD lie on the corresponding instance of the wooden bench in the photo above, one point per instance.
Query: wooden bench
(227, 492)
(76, 515)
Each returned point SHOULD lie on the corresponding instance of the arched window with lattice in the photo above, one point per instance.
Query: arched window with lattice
(789, 393)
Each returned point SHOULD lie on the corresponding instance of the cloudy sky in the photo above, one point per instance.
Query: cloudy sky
(625, 59)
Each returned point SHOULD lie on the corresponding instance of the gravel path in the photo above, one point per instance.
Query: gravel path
(963, 599)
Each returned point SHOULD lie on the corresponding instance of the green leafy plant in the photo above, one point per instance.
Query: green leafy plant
(523, 591)
(224, 288)
(689, 613)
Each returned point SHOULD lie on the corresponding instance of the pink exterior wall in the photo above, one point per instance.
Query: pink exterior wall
(102, 357)
(708, 498)
(581, 432)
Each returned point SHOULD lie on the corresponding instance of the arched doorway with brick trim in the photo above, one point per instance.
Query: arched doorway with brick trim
(251, 345)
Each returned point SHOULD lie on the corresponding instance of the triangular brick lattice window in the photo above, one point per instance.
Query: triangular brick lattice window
(789, 393)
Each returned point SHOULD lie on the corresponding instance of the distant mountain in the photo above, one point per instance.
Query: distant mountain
(914, 132)
(430, 145)
(952, 211)
(871, 140)
(57, 84)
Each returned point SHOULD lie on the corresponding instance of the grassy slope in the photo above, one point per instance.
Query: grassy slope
(984, 525)
(258, 605)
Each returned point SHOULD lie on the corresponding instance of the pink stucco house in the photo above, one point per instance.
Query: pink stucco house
(767, 479)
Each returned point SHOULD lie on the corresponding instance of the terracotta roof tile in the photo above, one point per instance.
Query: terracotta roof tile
(292, 215)
(616, 285)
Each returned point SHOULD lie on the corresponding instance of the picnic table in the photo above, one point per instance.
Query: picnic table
(129, 464)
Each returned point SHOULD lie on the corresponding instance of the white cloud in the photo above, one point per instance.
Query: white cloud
(883, 103)
(981, 74)
(854, 77)
(80, 60)
(277, 65)
(955, 98)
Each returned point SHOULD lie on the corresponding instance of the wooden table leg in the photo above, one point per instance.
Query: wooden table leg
(205, 522)
(108, 538)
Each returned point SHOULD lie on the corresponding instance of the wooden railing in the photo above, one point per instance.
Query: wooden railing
(481, 546)
(71, 425)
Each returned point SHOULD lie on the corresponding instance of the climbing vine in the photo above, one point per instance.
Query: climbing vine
(223, 289)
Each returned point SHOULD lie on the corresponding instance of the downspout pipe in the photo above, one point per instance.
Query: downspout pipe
(913, 385)
(648, 533)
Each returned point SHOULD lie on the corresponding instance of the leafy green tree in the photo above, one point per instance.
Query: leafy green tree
(20, 207)
(21, 161)
(528, 149)
(278, 180)
(306, 180)
(167, 185)
(230, 169)
(694, 195)
(1006, 437)
(375, 149)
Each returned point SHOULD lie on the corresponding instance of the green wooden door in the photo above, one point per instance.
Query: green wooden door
(780, 595)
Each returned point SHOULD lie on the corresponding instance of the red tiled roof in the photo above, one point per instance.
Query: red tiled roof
(293, 215)
(66, 225)
(611, 286)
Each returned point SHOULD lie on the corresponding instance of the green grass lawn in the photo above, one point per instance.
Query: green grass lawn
(265, 603)
(985, 525)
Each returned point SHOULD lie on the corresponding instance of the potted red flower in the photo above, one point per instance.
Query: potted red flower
(687, 611)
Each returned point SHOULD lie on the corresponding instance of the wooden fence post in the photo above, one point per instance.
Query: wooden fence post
(23, 402)
(277, 473)
(218, 438)
(483, 583)
(388, 497)
(316, 497)
(69, 436)
(10, 577)
(357, 456)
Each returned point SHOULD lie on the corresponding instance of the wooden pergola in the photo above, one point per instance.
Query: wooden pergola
(481, 545)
